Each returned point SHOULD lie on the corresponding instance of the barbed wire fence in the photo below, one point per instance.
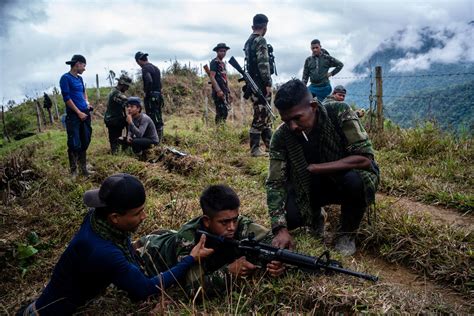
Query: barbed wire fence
(376, 108)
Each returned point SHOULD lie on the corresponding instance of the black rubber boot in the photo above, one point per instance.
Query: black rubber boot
(255, 150)
(160, 135)
(266, 137)
(72, 163)
(83, 164)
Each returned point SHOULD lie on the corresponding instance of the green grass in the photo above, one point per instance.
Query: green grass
(427, 165)
(420, 164)
(53, 208)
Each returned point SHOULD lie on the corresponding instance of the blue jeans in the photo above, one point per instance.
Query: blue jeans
(320, 92)
(78, 132)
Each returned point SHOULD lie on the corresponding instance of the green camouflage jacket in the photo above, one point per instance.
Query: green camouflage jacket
(258, 60)
(316, 68)
(340, 135)
(115, 114)
(160, 252)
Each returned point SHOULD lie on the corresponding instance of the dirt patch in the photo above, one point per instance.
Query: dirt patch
(392, 273)
(438, 214)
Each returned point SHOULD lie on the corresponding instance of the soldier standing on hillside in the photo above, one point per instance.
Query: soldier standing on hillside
(152, 87)
(114, 117)
(258, 66)
(78, 120)
(220, 85)
(316, 68)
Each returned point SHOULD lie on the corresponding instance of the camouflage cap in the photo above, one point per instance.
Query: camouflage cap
(125, 80)
(219, 46)
(260, 19)
(339, 89)
(134, 101)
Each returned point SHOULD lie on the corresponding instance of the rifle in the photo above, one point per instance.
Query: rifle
(208, 72)
(253, 86)
(175, 152)
(268, 253)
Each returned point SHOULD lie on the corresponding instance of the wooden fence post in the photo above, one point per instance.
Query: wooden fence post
(38, 118)
(43, 115)
(241, 104)
(379, 95)
(5, 133)
(55, 102)
(97, 83)
(206, 109)
(51, 120)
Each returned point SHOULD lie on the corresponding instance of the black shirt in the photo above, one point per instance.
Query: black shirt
(151, 78)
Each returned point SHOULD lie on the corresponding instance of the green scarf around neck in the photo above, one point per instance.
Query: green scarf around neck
(106, 231)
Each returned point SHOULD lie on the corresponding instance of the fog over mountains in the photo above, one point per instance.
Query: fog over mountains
(428, 73)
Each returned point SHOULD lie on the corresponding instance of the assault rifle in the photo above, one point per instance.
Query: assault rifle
(251, 247)
(253, 86)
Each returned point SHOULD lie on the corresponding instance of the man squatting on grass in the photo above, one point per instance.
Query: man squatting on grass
(220, 206)
(101, 253)
(320, 155)
(141, 129)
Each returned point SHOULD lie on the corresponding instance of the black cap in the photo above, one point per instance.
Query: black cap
(75, 59)
(120, 191)
(260, 19)
(339, 89)
(134, 101)
(219, 46)
(140, 55)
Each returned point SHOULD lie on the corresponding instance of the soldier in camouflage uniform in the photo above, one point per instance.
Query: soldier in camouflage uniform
(338, 94)
(320, 155)
(220, 205)
(316, 67)
(258, 67)
(114, 116)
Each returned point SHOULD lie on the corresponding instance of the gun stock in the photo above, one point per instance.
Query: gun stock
(207, 70)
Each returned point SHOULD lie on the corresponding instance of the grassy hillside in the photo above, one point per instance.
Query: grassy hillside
(421, 163)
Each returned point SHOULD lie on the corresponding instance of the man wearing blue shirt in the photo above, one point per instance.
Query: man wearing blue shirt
(101, 253)
(78, 120)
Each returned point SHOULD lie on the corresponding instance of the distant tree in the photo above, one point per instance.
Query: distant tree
(111, 77)
(10, 104)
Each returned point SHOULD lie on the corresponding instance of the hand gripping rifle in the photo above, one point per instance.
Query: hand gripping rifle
(208, 72)
(268, 253)
(253, 86)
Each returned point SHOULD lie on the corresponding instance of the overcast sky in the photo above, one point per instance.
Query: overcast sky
(38, 36)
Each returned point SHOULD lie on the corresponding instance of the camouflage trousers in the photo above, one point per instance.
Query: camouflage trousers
(153, 106)
(261, 118)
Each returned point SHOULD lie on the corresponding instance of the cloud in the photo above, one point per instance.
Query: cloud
(38, 36)
(449, 45)
(14, 11)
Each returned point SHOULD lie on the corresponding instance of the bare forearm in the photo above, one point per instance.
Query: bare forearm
(72, 106)
(347, 163)
(215, 85)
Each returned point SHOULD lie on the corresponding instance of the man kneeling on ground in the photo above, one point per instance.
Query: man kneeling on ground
(101, 253)
(320, 155)
(220, 206)
(141, 129)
